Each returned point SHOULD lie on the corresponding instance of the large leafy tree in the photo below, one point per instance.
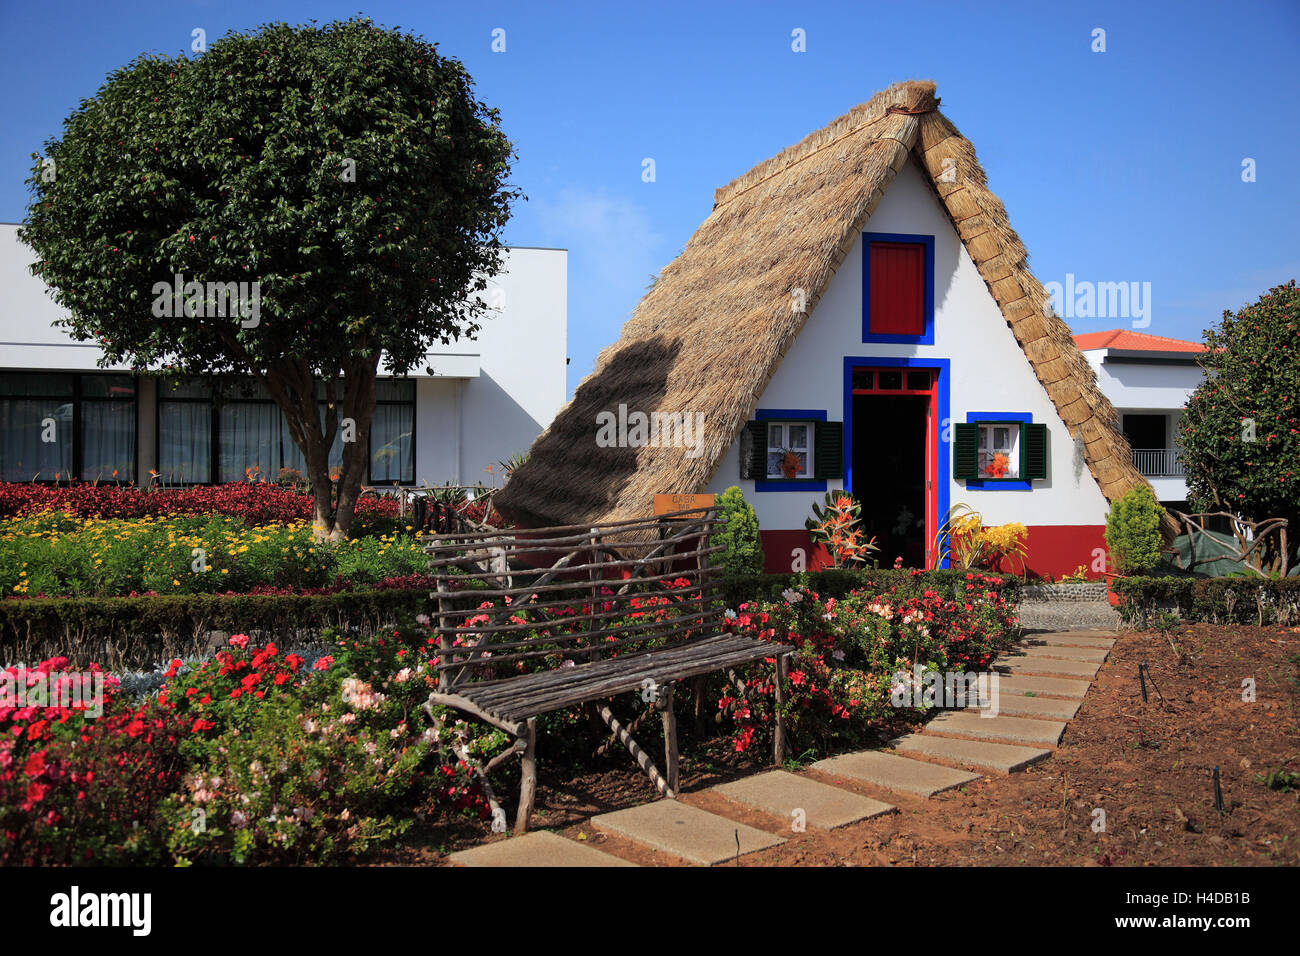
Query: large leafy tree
(348, 170)
(1241, 430)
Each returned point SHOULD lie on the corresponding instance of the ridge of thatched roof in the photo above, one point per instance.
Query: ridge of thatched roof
(713, 330)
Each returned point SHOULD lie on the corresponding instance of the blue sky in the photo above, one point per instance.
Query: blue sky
(1117, 166)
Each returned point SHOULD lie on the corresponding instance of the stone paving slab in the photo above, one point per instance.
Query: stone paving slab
(1068, 616)
(893, 772)
(1042, 707)
(1093, 655)
(1069, 640)
(686, 831)
(1018, 729)
(1048, 666)
(781, 793)
(977, 754)
(538, 848)
(1042, 686)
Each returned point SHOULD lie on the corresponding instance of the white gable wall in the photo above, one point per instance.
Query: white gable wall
(989, 373)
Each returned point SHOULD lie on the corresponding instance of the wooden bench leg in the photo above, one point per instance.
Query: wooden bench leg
(640, 756)
(778, 736)
(528, 786)
(670, 739)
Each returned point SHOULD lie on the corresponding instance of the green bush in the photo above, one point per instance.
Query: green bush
(1239, 435)
(737, 531)
(1133, 531)
(145, 630)
(299, 784)
(1230, 600)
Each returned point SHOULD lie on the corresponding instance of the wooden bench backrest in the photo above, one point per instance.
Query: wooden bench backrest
(576, 588)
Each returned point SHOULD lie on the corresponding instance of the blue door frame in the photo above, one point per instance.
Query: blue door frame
(940, 494)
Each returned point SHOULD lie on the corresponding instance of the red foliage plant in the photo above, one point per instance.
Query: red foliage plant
(255, 502)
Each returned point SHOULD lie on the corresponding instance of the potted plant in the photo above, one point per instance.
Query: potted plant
(1133, 536)
(790, 463)
(999, 466)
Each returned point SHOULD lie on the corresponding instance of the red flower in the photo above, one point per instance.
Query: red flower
(35, 764)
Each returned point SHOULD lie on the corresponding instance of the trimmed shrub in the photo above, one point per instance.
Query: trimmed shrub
(1133, 531)
(737, 531)
(1228, 600)
(146, 630)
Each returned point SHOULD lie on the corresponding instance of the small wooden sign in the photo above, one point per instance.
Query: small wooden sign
(667, 504)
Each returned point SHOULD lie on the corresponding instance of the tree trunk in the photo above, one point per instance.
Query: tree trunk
(293, 386)
(359, 406)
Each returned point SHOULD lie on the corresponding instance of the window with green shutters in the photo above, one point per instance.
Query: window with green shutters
(997, 451)
(817, 447)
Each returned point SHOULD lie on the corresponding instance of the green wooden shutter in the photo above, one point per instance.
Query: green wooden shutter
(828, 454)
(753, 451)
(966, 450)
(1033, 440)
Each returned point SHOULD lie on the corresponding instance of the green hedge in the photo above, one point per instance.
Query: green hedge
(836, 582)
(142, 631)
(1230, 600)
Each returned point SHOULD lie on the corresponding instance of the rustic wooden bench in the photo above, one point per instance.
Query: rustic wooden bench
(535, 621)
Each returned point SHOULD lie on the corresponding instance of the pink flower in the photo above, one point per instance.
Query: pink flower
(239, 640)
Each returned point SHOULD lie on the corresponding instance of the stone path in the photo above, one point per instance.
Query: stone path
(1059, 615)
(1044, 681)
(686, 831)
(816, 804)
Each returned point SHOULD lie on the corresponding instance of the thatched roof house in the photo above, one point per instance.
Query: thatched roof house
(714, 330)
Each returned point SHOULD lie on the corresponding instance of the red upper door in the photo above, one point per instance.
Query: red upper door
(897, 284)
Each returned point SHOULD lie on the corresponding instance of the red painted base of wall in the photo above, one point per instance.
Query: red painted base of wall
(1053, 550)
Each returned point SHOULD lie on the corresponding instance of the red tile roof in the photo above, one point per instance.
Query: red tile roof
(1128, 341)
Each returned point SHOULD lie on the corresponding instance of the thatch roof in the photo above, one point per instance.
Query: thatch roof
(712, 331)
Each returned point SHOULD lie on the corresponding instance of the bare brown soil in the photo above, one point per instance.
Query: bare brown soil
(1147, 765)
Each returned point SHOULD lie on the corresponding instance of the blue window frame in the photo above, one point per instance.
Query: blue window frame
(1000, 484)
(793, 415)
(926, 337)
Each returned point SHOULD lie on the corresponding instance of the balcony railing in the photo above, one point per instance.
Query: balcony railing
(1159, 462)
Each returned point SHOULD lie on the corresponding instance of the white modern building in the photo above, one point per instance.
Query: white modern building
(488, 398)
(1148, 378)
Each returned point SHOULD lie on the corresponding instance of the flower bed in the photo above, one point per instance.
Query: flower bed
(250, 757)
(260, 756)
(257, 503)
(54, 554)
(851, 651)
